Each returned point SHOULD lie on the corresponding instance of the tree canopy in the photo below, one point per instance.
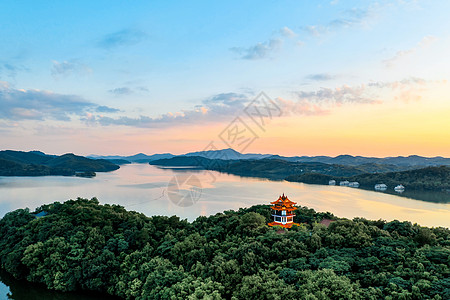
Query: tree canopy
(82, 245)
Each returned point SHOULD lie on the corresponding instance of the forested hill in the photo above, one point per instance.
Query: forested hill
(430, 178)
(35, 163)
(273, 168)
(80, 244)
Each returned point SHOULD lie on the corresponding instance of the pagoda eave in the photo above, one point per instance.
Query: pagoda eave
(283, 208)
(287, 225)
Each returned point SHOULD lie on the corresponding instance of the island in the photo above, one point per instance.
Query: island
(36, 163)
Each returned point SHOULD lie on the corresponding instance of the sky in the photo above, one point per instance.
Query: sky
(284, 77)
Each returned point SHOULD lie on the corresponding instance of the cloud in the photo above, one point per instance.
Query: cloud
(321, 77)
(260, 50)
(352, 17)
(315, 30)
(66, 68)
(121, 91)
(226, 106)
(216, 108)
(143, 89)
(406, 90)
(287, 32)
(425, 42)
(106, 109)
(124, 91)
(10, 70)
(400, 84)
(338, 96)
(263, 50)
(300, 107)
(346, 19)
(125, 37)
(19, 104)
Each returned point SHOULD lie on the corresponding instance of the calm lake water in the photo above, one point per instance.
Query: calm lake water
(189, 194)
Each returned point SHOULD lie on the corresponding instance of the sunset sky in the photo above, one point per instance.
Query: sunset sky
(121, 77)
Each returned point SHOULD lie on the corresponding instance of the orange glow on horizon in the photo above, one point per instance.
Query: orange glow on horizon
(394, 128)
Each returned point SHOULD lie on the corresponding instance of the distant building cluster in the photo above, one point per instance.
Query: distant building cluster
(378, 187)
(353, 184)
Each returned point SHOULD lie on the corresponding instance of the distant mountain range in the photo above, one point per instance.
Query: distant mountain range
(36, 163)
(348, 160)
(137, 158)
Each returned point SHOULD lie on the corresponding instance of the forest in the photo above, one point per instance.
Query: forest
(83, 245)
(429, 178)
(36, 163)
(274, 168)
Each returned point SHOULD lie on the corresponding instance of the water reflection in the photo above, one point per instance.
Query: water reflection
(429, 196)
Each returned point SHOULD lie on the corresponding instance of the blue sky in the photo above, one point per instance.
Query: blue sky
(88, 68)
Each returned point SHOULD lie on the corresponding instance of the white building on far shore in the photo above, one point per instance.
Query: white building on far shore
(354, 184)
(380, 187)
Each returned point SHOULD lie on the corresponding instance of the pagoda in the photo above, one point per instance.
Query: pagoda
(282, 212)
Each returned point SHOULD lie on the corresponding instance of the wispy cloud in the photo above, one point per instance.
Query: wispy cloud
(216, 108)
(265, 49)
(321, 77)
(346, 19)
(106, 109)
(338, 96)
(399, 55)
(287, 32)
(19, 104)
(223, 107)
(121, 91)
(372, 93)
(10, 70)
(408, 89)
(300, 107)
(260, 50)
(128, 90)
(125, 37)
(66, 68)
(315, 30)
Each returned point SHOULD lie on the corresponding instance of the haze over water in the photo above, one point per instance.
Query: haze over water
(146, 189)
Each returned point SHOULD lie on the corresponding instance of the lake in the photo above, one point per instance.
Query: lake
(190, 193)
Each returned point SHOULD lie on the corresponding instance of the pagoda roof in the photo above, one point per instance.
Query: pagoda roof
(284, 201)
